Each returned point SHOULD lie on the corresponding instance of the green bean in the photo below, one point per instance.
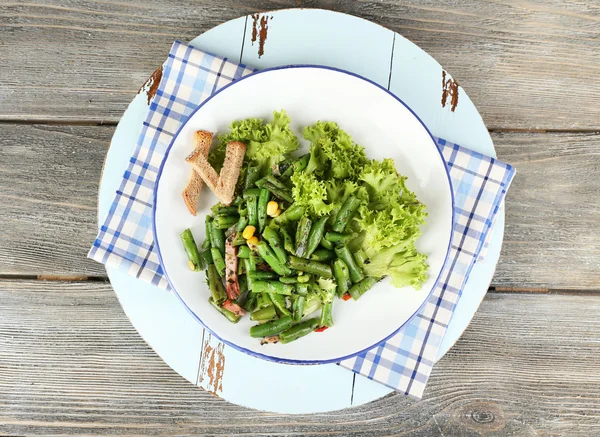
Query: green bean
(302, 234)
(299, 330)
(240, 269)
(287, 173)
(217, 291)
(327, 244)
(288, 243)
(342, 276)
(322, 255)
(360, 288)
(206, 243)
(241, 225)
(272, 236)
(260, 183)
(207, 256)
(302, 289)
(298, 307)
(266, 253)
(230, 316)
(218, 260)
(361, 258)
(217, 239)
(326, 314)
(280, 193)
(346, 213)
(249, 263)
(316, 234)
(266, 313)
(264, 300)
(254, 261)
(263, 200)
(229, 232)
(308, 266)
(225, 221)
(272, 287)
(356, 273)
(243, 252)
(261, 276)
(248, 267)
(279, 301)
(251, 197)
(273, 181)
(339, 238)
(243, 282)
(238, 240)
(283, 166)
(298, 165)
(293, 213)
(244, 292)
(271, 328)
(252, 175)
(220, 209)
(250, 304)
(195, 260)
(302, 162)
(288, 280)
(304, 278)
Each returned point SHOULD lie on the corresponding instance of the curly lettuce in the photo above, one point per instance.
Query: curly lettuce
(333, 154)
(267, 143)
(310, 192)
(390, 225)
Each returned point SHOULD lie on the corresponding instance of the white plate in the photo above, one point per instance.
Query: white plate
(377, 120)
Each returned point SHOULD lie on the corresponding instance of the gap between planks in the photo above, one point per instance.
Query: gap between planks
(100, 122)
(495, 290)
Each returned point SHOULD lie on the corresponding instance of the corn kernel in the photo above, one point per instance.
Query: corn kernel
(248, 231)
(272, 208)
(276, 213)
(252, 242)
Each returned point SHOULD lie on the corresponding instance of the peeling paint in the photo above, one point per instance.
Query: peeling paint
(449, 88)
(212, 367)
(255, 18)
(151, 85)
(260, 28)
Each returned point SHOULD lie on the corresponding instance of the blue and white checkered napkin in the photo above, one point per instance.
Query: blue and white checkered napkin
(125, 240)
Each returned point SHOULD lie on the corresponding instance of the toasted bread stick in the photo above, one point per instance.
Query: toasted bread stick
(234, 158)
(222, 185)
(191, 193)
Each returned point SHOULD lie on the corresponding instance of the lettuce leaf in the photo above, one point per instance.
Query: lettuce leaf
(405, 266)
(311, 193)
(333, 154)
(390, 225)
(267, 143)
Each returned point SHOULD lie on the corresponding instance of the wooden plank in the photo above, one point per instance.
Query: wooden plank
(517, 60)
(49, 216)
(72, 365)
(49, 177)
(552, 212)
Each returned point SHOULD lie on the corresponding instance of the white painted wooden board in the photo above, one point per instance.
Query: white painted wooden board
(352, 44)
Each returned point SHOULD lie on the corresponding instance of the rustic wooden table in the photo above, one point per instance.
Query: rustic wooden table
(70, 362)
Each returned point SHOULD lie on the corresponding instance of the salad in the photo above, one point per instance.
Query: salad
(305, 231)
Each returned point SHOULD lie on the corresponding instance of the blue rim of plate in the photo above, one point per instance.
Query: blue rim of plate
(269, 357)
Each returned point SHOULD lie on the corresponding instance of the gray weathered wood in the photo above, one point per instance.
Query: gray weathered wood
(553, 213)
(524, 64)
(71, 364)
(552, 234)
(49, 178)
